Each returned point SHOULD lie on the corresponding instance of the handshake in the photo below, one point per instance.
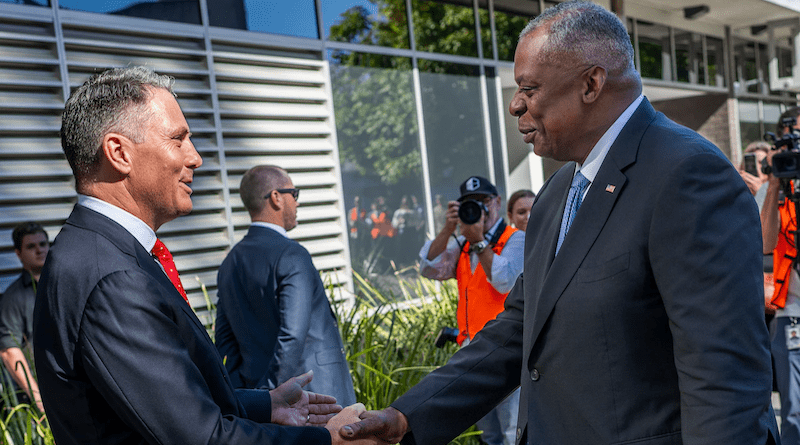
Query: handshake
(353, 425)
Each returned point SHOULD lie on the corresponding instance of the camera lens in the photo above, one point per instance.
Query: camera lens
(470, 211)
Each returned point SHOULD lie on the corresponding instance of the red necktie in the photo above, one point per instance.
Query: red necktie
(165, 258)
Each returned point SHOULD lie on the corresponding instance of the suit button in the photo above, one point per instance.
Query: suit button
(535, 374)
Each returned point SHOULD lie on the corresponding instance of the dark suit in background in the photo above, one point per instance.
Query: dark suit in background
(274, 318)
(121, 357)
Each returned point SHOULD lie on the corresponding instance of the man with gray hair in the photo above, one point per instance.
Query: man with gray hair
(120, 355)
(630, 323)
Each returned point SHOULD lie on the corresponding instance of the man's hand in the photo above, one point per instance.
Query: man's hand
(388, 425)
(347, 416)
(451, 219)
(294, 407)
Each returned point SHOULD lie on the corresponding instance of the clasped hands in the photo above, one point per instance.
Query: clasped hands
(293, 406)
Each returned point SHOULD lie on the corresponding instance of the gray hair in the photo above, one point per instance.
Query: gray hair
(257, 182)
(113, 101)
(586, 31)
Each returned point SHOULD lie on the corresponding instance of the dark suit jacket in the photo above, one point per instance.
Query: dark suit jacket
(647, 328)
(274, 320)
(121, 358)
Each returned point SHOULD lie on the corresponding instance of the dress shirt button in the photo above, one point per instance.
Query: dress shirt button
(535, 374)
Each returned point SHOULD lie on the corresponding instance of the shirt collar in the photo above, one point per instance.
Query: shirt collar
(274, 227)
(141, 231)
(598, 154)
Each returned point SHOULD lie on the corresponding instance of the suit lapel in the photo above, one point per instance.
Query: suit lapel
(589, 221)
(127, 244)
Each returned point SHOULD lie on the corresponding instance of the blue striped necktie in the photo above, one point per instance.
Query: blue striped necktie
(576, 190)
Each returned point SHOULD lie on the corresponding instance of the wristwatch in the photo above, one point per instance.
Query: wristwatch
(479, 246)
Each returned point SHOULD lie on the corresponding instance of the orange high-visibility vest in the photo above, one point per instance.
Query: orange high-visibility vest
(381, 226)
(478, 301)
(355, 216)
(785, 251)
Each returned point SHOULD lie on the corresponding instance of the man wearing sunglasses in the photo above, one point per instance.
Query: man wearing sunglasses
(273, 317)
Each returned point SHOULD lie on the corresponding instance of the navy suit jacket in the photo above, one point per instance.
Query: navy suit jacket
(647, 327)
(274, 320)
(121, 358)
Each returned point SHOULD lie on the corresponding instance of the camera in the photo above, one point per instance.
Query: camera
(446, 335)
(785, 164)
(470, 211)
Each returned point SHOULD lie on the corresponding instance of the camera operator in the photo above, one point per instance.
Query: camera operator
(778, 226)
(486, 260)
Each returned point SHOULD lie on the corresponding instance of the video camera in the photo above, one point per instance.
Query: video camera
(785, 164)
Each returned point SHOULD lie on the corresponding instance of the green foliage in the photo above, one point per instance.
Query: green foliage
(389, 341)
(376, 122)
(21, 423)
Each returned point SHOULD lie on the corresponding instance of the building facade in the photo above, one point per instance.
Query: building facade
(377, 108)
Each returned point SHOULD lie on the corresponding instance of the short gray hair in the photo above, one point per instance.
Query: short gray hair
(112, 101)
(588, 32)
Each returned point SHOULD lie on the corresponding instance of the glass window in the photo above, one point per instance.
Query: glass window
(629, 27)
(654, 50)
(486, 30)
(689, 58)
(684, 52)
(746, 67)
(772, 112)
(292, 18)
(446, 28)
(381, 165)
(451, 109)
(784, 61)
(716, 65)
(763, 68)
(28, 2)
(185, 11)
(510, 18)
(749, 123)
(369, 22)
(494, 124)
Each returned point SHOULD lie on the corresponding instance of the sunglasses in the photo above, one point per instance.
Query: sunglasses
(294, 192)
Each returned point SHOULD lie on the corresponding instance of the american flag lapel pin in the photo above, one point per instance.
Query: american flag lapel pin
(610, 188)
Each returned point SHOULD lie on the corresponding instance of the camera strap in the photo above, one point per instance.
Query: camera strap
(498, 233)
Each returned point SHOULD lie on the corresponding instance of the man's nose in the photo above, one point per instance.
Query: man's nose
(517, 106)
(195, 160)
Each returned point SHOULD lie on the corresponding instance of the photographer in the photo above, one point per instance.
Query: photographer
(778, 226)
(486, 260)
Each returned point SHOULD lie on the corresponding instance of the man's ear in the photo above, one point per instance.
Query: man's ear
(116, 149)
(275, 200)
(594, 79)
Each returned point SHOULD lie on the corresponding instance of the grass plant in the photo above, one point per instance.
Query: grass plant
(21, 423)
(389, 339)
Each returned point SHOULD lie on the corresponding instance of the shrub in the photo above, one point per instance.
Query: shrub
(389, 339)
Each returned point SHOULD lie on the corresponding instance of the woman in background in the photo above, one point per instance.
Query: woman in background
(519, 208)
